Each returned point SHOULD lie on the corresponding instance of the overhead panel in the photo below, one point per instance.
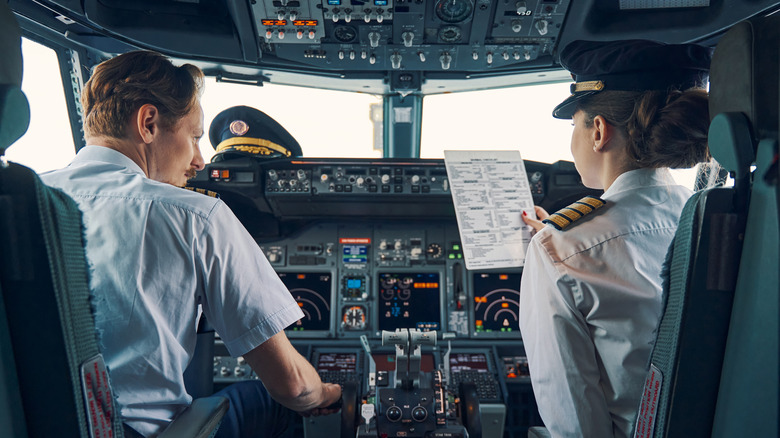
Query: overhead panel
(412, 35)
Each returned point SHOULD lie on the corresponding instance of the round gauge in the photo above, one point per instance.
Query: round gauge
(454, 11)
(354, 318)
(389, 282)
(434, 251)
(406, 282)
(450, 34)
(387, 294)
(345, 34)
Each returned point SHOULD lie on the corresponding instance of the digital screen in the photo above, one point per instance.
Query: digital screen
(386, 362)
(409, 301)
(468, 362)
(312, 292)
(355, 254)
(337, 362)
(496, 302)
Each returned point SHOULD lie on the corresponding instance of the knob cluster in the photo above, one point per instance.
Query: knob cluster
(395, 414)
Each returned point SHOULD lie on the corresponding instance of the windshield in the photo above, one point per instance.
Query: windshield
(328, 123)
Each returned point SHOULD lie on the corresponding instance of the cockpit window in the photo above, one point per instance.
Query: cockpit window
(518, 118)
(48, 142)
(326, 123)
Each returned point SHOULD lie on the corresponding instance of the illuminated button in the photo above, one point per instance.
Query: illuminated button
(324, 177)
(214, 173)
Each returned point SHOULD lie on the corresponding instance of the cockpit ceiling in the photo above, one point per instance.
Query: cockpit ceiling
(376, 46)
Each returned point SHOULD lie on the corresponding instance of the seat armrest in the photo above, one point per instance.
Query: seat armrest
(538, 432)
(200, 420)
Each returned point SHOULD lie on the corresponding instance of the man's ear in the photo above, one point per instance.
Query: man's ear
(148, 122)
(602, 133)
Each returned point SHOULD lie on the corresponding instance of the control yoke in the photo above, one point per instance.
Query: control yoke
(408, 347)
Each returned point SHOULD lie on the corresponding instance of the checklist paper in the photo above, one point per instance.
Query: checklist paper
(490, 191)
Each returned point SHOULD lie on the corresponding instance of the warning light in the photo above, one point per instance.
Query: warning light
(480, 299)
(504, 305)
(215, 173)
(301, 276)
(300, 304)
(225, 174)
(503, 277)
(456, 247)
(478, 323)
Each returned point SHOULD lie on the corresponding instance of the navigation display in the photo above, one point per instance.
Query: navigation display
(312, 292)
(409, 301)
(496, 302)
(337, 362)
(468, 362)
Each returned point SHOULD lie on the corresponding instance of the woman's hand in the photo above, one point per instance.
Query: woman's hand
(541, 215)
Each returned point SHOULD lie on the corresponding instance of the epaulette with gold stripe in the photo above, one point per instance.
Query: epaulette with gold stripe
(574, 212)
(202, 191)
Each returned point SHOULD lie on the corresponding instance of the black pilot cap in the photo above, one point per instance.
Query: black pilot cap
(245, 131)
(630, 65)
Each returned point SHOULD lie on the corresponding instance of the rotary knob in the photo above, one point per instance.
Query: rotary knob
(394, 413)
(419, 414)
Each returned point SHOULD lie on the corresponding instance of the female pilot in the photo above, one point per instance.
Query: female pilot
(590, 299)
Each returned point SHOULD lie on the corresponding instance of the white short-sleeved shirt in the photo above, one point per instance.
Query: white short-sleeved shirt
(155, 252)
(590, 304)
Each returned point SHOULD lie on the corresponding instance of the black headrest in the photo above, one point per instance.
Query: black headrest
(745, 72)
(14, 109)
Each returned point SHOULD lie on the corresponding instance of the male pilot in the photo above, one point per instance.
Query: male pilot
(157, 252)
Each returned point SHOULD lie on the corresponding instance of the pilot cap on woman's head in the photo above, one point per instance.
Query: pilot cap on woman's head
(631, 65)
(245, 131)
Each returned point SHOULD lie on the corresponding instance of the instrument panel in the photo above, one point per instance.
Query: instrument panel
(361, 278)
(367, 247)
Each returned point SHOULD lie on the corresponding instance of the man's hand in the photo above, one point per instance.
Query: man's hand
(541, 215)
(332, 403)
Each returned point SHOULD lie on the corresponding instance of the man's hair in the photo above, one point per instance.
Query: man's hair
(121, 85)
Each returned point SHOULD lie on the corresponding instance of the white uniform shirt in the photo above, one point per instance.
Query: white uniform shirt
(155, 252)
(590, 304)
